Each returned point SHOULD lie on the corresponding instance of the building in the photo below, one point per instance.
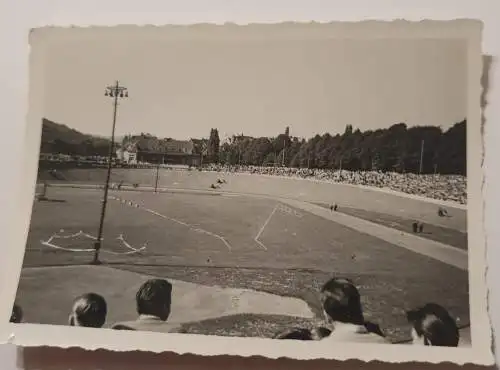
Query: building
(149, 149)
(179, 146)
(128, 155)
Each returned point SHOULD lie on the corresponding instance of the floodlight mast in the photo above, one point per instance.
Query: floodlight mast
(116, 92)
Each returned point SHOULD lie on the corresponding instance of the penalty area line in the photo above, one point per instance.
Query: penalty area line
(191, 227)
(49, 243)
(256, 239)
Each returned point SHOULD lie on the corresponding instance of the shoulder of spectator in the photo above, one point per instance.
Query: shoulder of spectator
(316, 333)
(293, 333)
(374, 328)
(122, 326)
(179, 329)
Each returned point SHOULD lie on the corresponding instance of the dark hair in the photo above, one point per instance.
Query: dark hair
(304, 334)
(154, 297)
(122, 327)
(374, 328)
(295, 334)
(435, 325)
(321, 332)
(90, 310)
(341, 301)
(17, 314)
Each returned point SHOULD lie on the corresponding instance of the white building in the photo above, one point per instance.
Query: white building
(127, 156)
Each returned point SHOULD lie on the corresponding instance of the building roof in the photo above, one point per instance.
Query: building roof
(147, 143)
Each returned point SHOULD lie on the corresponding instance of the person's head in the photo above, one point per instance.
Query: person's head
(341, 302)
(432, 325)
(17, 314)
(89, 310)
(304, 334)
(154, 298)
(295, 334)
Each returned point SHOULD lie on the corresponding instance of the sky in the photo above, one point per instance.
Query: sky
(183, 88)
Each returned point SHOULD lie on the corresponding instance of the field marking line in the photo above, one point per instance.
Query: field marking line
(127, 245)
(48, 243)
(71, 236)
(256, 239)
(191, 227)
(289, 211)
(260, 244)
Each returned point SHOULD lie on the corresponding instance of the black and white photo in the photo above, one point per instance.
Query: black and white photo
(268, 184)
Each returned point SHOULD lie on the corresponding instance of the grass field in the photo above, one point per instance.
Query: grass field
(446, 235)
(304, 190)
(243, 242)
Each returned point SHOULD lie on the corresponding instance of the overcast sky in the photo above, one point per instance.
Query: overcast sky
(181, 89)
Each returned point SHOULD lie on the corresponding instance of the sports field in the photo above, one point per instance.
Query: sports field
(305, 190)
(235, 238)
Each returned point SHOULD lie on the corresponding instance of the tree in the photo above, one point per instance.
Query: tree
(452, 151)
(270, 159)
(348, 130)
(397, 148)
(225, 154)
(213, 146)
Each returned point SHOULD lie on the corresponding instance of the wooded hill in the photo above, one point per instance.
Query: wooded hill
(60, 139)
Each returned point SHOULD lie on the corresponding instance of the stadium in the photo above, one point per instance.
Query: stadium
(246, 252)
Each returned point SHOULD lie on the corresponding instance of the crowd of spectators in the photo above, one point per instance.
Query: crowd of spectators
(343, 320)
(441, 187)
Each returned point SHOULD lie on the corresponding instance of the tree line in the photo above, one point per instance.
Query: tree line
(422, 149)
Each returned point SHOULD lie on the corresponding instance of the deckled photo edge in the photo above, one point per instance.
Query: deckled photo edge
(36, 335)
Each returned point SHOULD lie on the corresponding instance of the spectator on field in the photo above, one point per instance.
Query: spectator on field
(153, 302)
(432, 325)
(442, 212)
(89, 310)
(343, 312)
(16, 316)
(415, 227)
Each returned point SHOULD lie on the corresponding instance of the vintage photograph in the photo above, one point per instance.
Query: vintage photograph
(251, 182)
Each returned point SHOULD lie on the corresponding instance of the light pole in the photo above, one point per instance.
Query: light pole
(284, 151)
(116, 91)
(158, 174)
(421, 158)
